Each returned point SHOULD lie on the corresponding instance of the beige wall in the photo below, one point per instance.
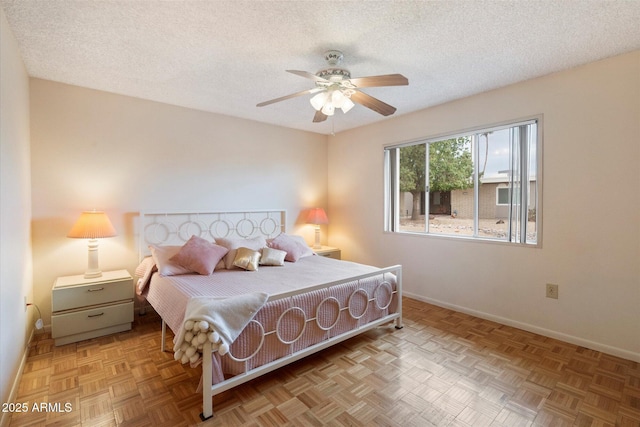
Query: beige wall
(590, 249)
(92, 149)
(15, 213)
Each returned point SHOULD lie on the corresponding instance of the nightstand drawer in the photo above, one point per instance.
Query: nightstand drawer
(94, 319)
(328, 252)
(332, 254)
(91, 294)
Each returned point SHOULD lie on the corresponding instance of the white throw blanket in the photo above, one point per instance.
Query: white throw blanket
(217, 320)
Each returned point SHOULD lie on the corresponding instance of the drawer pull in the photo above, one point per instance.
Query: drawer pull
(96, 315)
(95, 290)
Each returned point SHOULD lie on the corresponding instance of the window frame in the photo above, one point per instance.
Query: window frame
(392, 192)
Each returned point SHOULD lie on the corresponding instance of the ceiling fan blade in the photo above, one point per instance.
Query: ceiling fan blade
(307, 75)
(373, 103)
(319, 117)
(377, 81)
(293, 95)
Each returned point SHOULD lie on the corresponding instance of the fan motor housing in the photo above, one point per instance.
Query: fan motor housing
(333, 57)
(334, 74)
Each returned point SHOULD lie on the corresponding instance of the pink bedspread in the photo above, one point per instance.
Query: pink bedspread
(169, 295)
(312, 312)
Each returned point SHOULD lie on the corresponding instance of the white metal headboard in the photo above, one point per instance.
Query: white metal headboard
(175, 228)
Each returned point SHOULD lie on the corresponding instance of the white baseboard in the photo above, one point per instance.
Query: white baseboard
(615, 351)
(5, 417)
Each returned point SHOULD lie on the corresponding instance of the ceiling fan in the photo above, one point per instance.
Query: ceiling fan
(336, 89)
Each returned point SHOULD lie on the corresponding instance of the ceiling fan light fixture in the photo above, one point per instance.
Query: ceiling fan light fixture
(338, 98)
(328, 109)
(347, 105)
(319, 100)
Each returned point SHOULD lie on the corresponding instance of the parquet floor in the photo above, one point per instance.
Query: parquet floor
(443, 369)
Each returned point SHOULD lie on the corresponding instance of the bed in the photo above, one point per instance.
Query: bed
(293, 308)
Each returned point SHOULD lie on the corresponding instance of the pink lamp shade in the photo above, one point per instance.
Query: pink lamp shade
(92, 225)
(317, 216)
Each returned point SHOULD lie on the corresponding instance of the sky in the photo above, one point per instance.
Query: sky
(498, 161)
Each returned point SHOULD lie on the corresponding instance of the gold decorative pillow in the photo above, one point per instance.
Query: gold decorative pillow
(247, 259)
(272, 256)
(255, 243)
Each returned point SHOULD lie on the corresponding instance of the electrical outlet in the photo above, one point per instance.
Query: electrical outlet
(552, 291)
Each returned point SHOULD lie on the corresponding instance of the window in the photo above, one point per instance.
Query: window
(468, 185)
(504, 195)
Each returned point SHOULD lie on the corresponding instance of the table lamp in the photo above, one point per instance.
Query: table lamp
(316, 217)
(92, 225)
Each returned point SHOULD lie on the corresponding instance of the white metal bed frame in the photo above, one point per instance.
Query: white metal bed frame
(175, 228)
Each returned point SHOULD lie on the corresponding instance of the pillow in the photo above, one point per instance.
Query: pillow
(294, 246)
(144, 271)
(233, 244)
(247, 259)
(145, 266)
(272, 256)
(199, 255)
(161, 255)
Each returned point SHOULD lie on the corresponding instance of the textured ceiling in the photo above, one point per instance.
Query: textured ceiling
(227, 56)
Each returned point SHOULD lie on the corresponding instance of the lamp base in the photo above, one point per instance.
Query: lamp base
(92, 274)
(93, 270)
(316, 244)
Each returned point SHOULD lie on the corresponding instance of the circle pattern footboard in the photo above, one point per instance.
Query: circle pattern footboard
(291, 325)
(325, 305)
(383, 295)
(312, 318)
(359, 300)
(254, 329)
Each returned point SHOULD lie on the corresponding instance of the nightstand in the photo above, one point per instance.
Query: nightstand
(328, 251)
(88, 308)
